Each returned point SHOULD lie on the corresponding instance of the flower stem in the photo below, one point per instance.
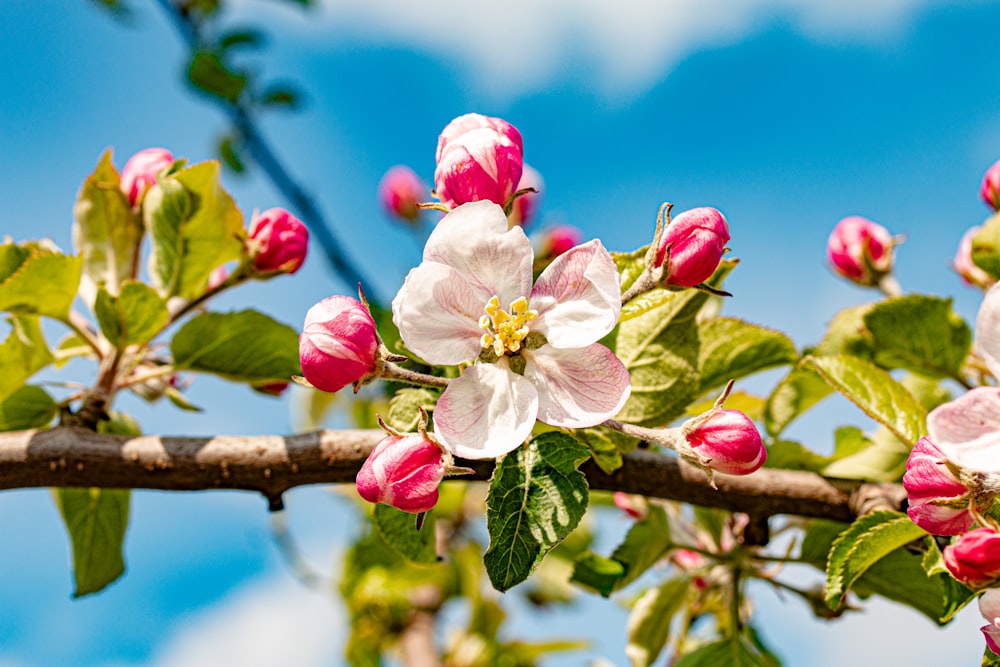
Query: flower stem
(81, 327)
(393, 372)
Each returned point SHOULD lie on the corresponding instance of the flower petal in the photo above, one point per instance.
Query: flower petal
(474, 240)
(437, 313)
(578, 297)
(485, 413)
(967, 430)
(577, 388)
(988, 329)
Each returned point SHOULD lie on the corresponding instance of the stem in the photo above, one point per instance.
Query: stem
(81, 327)
(643, 283)
(235, 278)
(138, 378)
(736, 602)
(889, 286)
(393, 372)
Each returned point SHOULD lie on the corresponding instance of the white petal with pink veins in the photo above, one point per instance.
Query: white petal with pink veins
(438, 313)
(485, 413)
(988, 329)
(474, 240)
(967, 430)
(578, 297)
(577, 388)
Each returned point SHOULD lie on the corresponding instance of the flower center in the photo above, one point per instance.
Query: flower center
(505, 330)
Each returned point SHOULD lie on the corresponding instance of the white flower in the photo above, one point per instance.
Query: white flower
(535, 348)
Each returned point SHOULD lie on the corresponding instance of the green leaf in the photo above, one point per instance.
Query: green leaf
(954, 595)
(791, 455)
(990, 659)
(35, 280)
(134, 317)
(28, 407)
(208, 73)
(106, 231)
(597, 573)
(847, 334)
(281, 96)
(874, 391)
(404, 408)
(399, 530)
(865, 542)
(606, 446)
(731, 349)
(921, 333)
(800, 390)
(23, 354)
(649, 621)
(881, 458)
(986, 247)
(96, 520)
(536, 498)
(230, 154)
(731, 652)
(195, 227)
(253, 38)
(244, 346)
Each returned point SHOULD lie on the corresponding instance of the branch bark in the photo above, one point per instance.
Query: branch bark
(270, 464)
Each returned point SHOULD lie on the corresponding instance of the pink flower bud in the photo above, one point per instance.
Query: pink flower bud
(636, 507)
(478, 158)
(989, 607)
(339, 344)
(692, 245)
(554, 241)
(400, 191)
(526, 206)
(974, 558)
(686, 559)
(404, 472)
(938, 502)
(860, 250)
(140, 172)
(728, 442)
(965, 267)
(279, 241)
(271, 388)
(990, 189)
(218, 276)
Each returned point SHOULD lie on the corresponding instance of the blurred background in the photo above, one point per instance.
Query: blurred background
(785, 115)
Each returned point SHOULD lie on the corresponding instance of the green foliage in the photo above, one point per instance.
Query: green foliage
(606, 446)
(399, 530)
(986, 247)
(96, 520)
(920, 333)
(37, 280)
(732, 349)
(536, 498)
(23, 353)
(649, 621)
(404, 408)
(245, 346)
(732, 651)
(207, 73)
(28, 407)
(132, 318)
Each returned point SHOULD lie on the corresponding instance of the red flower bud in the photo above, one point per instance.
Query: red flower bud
(974, 558)
(478, 158)
(339, 344)
(990, 189)
(400, 191)
(279, 242)
(554, 241)
(728, 442)
(938, 502)
(860, 250)
(139, 173)
(403, 472)
(692, 245)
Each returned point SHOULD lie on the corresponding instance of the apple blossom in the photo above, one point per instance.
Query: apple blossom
(974, 558)
(278, 242)
(400, 192)
(860, 250)
(990, 188)
(478, 158)
(938, 501)
(989, 607)
(403, 471)
(339, 344)
(965, 267)
(536, 350)
(139, 173)
(691, 247)
(726, 441)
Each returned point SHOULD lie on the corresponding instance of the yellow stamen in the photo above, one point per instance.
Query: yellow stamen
(505, 330)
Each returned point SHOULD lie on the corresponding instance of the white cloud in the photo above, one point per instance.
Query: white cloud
(275, 621)
(621, 46)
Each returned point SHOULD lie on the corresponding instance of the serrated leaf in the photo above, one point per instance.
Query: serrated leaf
(399, 530)
(22, 354)
(37, 281)
(874, 391)
(245, 346)
(880, 458)
(797, 392)
(132, 318)
(731, 652)
(28, 407)
(606, 446)
(847, 334)
(731, 349)
(920, 333)
(404, 408)
(106, 231)
(865, 542)
(96, 520)
(649, 621)
(195, 227)
(536, 498)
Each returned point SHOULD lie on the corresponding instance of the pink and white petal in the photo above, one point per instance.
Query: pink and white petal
(437, 313)
(989, 607)
(487, 412)
(988, 329)
(474, 240)
(577, 388)
(578, 297)
(967, 429)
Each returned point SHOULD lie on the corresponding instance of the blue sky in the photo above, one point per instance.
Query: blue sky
(785, 115)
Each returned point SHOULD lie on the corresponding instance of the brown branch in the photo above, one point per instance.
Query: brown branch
(270, 465)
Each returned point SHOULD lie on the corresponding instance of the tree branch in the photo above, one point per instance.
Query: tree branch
(270, 464)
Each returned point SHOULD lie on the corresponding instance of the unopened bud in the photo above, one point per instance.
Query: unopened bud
(525, 207)
(990, 188)
(278, 242)
(938, 501)
(400, 192)
(726, 441)
(553, 241)
(691, 246)
(965, 267)
(974, 558)
(635, 506)
(139, 173)
(339, 344)
(860, 250)
(403, 471)
(478, 158)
